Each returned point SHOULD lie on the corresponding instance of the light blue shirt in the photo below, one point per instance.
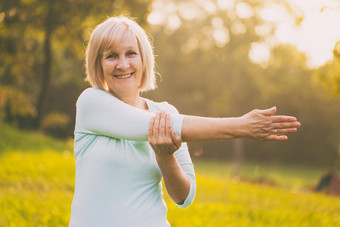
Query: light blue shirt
(118, 181)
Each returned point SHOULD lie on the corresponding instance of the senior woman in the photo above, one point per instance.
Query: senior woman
(125, 144)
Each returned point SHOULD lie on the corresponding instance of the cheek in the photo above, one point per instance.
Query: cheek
(107, 66)
(137, 62)
(106, 71)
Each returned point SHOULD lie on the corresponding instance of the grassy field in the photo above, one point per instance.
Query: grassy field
(222, 201)
(37, 182)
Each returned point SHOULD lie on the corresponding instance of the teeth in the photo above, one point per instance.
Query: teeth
(123, 76)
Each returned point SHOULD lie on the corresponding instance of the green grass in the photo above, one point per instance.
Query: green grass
(37, 183)
(221, 201)
(13, 139)
(295, 177)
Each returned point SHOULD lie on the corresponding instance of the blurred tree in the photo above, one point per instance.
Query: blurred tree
(203, 53)
(329, 74)
(42, 45)
(292, 87)
(15, 101)
(203, 50)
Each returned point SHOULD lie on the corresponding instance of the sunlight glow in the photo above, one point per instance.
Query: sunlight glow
(189, 11)
(220, 33)
(217, 22)
(263, 30)
(244, 10)
(173, 23)
(221, 36)
(238, 28)
(259, 53)
(274, 13)
(156, 18)
(209, 6)
(2, 16)
(317, 34)
(225, 4)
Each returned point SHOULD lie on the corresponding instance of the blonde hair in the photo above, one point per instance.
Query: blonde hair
(106, 36)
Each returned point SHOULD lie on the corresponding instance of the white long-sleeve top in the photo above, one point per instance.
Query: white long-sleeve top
(118, 181)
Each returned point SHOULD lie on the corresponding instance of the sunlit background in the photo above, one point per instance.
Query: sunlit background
(217, 58)
(310, 25)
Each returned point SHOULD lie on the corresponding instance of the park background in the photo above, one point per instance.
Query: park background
(215, 58)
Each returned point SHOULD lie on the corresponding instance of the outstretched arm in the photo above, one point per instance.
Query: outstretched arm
(257, 124)
(100, 113)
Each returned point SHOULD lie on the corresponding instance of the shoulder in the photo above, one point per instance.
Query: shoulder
(159, 106)
(170, 108)
(94, 96)
(91, 92)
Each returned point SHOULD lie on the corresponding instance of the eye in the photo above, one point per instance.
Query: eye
(131, 53)
(111, 56)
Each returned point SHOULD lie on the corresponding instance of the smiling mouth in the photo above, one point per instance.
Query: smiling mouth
(125, 76)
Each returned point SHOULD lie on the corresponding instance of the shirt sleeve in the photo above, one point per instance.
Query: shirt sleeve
(183, 157)
(100, 113)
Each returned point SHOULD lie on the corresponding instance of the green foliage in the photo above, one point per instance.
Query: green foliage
(16, 101)
(199, 71)
(329, 74)
(42, 48)
(290, 85)
(222, 81)
(55, 124)
(13, 139)
(201, 74)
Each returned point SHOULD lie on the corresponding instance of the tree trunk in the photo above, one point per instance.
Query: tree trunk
(238, 147)
(46, 76)
(237, 156)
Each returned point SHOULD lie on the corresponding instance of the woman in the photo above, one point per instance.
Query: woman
(125, 144)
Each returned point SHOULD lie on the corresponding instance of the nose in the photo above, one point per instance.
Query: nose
(123, 63)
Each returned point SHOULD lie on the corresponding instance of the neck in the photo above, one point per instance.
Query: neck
(133, 100)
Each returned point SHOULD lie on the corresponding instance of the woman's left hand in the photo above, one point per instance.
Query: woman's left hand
(264, 125)
(162, 138)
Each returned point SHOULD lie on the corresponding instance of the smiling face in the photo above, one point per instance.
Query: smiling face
(123, 68)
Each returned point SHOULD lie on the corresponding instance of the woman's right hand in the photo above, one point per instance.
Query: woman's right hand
(162, 138)
(263, 125)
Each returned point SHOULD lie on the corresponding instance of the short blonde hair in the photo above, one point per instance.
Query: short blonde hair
(106, 36)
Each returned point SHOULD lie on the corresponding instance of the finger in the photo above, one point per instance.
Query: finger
(276, 138)
(162, 126)
(168, 126)
(285, 125)
(176, 139)
(280, 118)
(156, 127)
(150, 131)
(284, 131)
(268, 112)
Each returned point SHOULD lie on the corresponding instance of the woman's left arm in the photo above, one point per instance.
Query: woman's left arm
(165, 141)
